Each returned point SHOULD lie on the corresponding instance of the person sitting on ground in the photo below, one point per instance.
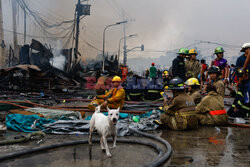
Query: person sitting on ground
(214, 79)
(179, 115)
(211, 111)
(194, 89)
(241, 104)
(114, 98)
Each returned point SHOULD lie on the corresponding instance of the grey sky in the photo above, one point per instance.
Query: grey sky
(160, 24)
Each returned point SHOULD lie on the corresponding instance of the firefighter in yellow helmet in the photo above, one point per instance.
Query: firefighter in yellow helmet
(193, 86)
(166, 77)
(114, 98)
(192, 65)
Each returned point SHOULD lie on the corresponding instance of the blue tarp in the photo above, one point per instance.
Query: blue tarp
(23, 123)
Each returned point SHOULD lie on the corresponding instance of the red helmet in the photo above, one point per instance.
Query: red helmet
(153, 64)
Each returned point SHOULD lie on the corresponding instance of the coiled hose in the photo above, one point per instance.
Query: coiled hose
(161, 158)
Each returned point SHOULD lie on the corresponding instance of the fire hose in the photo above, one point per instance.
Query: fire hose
(161, 158)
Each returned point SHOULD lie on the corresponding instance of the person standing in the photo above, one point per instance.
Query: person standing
(242, 60)
(178, 64)
(221, 63)
(192, 65)
(153, 73)
(203, 70)
(124, 73)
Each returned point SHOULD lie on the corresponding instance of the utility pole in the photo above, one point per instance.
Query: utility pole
(77, 27)
(2, 55)
(124, 46)
(25, 25)
(14, 14)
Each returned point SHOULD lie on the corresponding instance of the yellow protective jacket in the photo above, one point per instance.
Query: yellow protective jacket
(114, 96)
(210, 111)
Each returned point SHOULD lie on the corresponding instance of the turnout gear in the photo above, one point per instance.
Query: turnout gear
(196, 96)
(219, 49)
(239, 72)
(192, 68)
(210, 111)
(116, 78)
(245, 46)
(178, 67)
(176, 83)
(180, 114)
(115, 98)
(220, 87)
(192, 51)
(241, 104)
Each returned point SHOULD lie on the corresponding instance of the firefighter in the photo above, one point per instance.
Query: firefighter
(166, 77)
(241, 104)
(192, 65)
(242, 59)
(124, 71)
(178, 64)
(134, 89)
(214, 79)
(221, 63)
(180, 114)
(211, 111)
(114, 98)
(194, 89)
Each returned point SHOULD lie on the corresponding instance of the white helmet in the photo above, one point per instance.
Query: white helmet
(245, 46)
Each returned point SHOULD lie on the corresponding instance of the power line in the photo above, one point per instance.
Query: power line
(33, 36)
(41, 22)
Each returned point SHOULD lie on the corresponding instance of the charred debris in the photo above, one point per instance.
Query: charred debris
(34, 71)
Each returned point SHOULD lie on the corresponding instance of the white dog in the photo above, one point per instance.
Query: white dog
(105, 126)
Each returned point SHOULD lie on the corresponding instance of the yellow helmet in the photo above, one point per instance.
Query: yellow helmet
(192, 81)
(166, 72)
(192, 51)
(116, 78)
(166, 87)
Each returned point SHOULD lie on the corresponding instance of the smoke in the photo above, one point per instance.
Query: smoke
(160, 24)
(58, 61)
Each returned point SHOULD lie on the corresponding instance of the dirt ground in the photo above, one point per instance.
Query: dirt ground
(207, 146)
